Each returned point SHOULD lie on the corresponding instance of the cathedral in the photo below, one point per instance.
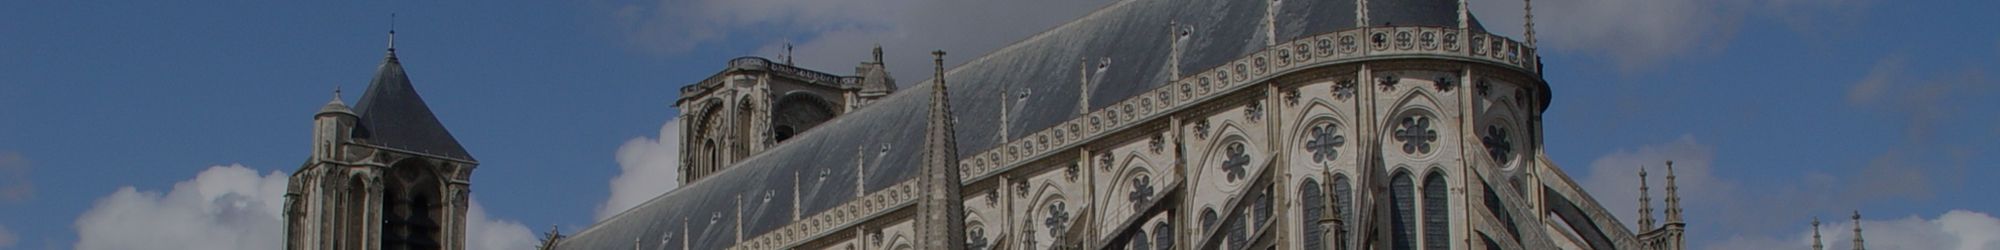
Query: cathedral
(1147, 124)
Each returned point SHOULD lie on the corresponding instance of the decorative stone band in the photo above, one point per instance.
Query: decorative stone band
(840, 217)
(1347, 46)
(779, 69)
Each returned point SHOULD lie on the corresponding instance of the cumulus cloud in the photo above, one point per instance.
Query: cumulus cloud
(1637, 33)
(1955, 229)
(835, 34)
(484, 232)
(647, 168)
(14, 183)
(1614, 178)
(224, 207)
(229, 207)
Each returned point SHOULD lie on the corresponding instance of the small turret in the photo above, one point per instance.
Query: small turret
(330, 127)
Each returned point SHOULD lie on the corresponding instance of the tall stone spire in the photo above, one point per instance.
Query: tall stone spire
(1645, 204)
(1673, 197)
(1816, 244)
(1858, 243)
(940, 223)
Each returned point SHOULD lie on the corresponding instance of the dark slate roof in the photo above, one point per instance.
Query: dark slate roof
(391, 114)
(1037, 78)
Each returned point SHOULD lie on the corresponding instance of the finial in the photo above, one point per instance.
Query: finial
(1858, 243)
(1528, 21)
(336, 92)
(788, 53)
(938, 61)
(392, 32)
(878, 53)
(1645, 203)
(1673, 197)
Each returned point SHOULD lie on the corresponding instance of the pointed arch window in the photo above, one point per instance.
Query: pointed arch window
(1403, 214)
(409, 207)
(1313, 199)
(1436, 223)
(1208, 218)
(1343, 201)
(1140, 241)
(1163, 236)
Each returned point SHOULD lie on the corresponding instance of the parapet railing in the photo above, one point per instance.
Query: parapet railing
(780, 69)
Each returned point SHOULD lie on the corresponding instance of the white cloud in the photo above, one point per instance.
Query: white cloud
(835, 34)
(1956, 229)
(647, 168)
(483, 232)
(7, 238)
(1614, 178)
(229, 207)
(224, 207)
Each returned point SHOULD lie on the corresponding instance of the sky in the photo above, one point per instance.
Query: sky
(173, 125)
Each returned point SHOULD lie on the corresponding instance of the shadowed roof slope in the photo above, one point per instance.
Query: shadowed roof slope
(392, 115)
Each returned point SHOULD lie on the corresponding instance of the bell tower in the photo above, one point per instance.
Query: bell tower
(382, 175)
(755, 104)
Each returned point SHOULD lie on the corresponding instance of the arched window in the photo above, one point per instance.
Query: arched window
(1163, 236)
(1403, 214)
(798, 112)
(1314, 202)
(1343, 200)
(1436, 223)
(409, 207)
(1208, 218)
(1236, 238)
(1141, 241)
(1262, 214)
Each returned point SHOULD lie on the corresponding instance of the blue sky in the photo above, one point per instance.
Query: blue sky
(1776, 110)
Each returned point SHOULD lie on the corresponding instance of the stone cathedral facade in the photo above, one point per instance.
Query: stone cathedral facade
(1147, 124)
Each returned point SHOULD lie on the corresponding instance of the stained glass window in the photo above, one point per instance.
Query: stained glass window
(1436, 223)
(1403, 215)
(1343, 200)
(1314, 201)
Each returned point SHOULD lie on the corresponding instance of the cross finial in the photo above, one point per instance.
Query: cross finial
(392, 32)
(336, 92)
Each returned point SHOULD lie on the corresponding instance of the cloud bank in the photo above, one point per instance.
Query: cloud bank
(231, 207)
(647, 168)
(1953, 230)
(1769, 215)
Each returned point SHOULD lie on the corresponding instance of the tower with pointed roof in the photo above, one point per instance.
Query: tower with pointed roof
(384, 174)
